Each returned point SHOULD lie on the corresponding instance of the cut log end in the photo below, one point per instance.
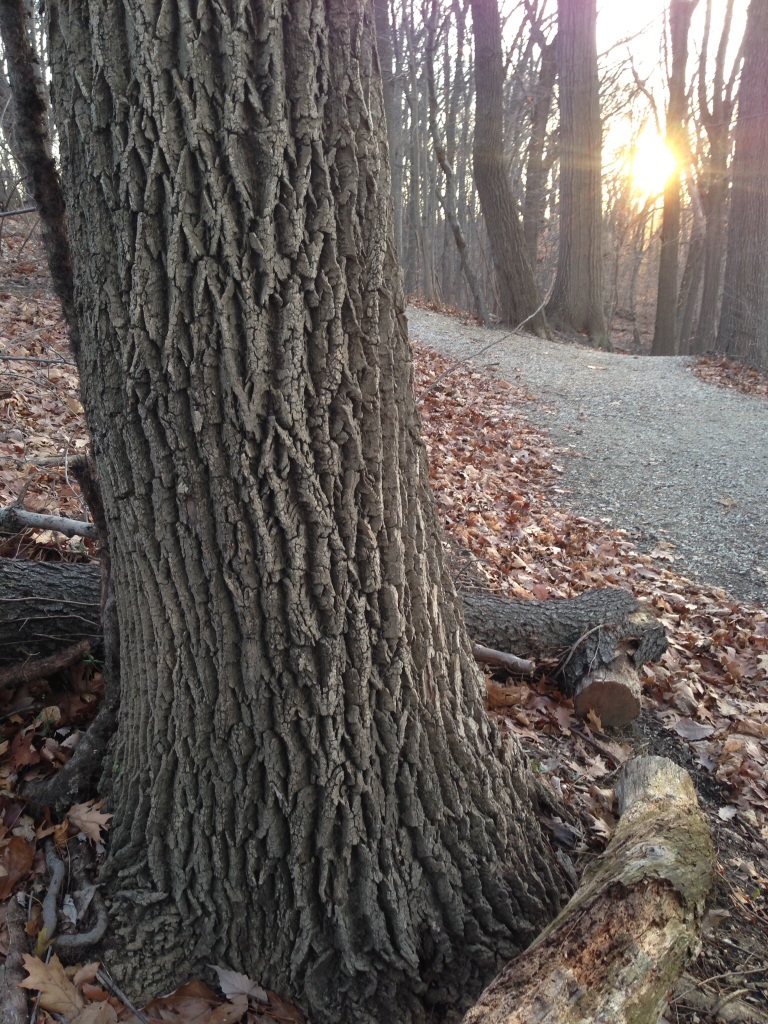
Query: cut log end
(613, 693)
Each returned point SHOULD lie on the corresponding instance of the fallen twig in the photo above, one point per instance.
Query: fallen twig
(14, 519)
(488, 656)
(38, 668)
(13, 999)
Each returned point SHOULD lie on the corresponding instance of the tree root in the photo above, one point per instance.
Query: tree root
(78, 778)
(70, 945)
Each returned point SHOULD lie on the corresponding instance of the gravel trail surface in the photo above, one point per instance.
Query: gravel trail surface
(644, 445)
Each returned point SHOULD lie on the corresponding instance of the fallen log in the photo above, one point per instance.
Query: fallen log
(45, 606)
(601, 637)
(616, 950)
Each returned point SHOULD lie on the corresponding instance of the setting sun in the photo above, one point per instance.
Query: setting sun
(652, 164)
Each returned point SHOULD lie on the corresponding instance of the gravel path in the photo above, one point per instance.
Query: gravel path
(653, 449)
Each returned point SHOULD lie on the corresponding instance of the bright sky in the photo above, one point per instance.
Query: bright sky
(642, 25)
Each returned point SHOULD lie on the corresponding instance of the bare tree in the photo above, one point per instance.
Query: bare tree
(518, 292)
(743, 331)
(665, 329)
(716, 118)
(305, 784)
(446, 196)
(577, 296)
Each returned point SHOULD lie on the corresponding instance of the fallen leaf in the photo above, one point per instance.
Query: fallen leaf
(190, 1004)
(88, 819)
(230, 1013)
(96, 1013)
(691, 730)
(594, 720)
(57, 993)
(17, 862)
(234, 984)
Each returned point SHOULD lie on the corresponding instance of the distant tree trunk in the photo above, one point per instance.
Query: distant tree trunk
(304, 782)
(743, 332)
(690, 283)
(716, 118)
(447, 197)
(384, 41)
(665, 329)
(537, 168)
(518, 291)
(577, 296)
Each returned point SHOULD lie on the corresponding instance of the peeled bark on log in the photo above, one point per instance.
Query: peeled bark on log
(618, 947)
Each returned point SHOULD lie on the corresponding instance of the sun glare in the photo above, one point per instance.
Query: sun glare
(652, 164)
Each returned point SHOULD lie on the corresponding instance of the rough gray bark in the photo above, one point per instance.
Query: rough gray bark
(36, 601)
(300, 699)
(665, 340)
(577, 295)
(742, 333)
(518, 291)
(537, 166)
(616, 950)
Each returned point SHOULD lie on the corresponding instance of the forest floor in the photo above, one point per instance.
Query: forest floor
(503, 490)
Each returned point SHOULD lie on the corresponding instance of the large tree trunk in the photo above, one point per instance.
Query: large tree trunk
(306, 786)
(518, 291)
(742, 334)
(577, 295)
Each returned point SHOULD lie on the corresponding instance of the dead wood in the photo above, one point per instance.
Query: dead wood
(600, 638)
(13, 1000)
(15, 519)
(47, 606)
(39, 668)
(487, 656)
(625, 937)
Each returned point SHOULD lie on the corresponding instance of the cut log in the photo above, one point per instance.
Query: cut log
(612, 692)
(47, 606)
(616, 950)
(601, 638)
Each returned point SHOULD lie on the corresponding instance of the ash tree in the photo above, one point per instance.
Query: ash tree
(305, 785)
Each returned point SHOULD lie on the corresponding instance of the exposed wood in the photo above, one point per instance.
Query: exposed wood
(487, 656)
(617, 948)
(612, 692)
(587, 633)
